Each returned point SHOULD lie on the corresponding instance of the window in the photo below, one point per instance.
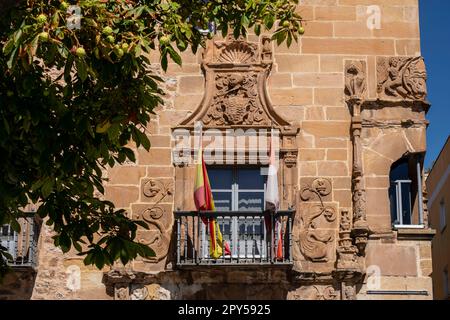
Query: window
(239, 190)
(442, 215)
(21, 245)
(405, 192)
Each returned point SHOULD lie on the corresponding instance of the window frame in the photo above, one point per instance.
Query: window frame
(413, 176)
(235, 224)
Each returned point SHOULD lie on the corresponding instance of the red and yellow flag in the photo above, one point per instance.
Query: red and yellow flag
(204, 202)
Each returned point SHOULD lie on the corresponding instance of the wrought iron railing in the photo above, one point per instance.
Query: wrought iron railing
(250, 236)
(22, 246)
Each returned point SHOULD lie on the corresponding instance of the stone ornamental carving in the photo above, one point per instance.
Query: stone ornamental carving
(401, 78)
(157, 237)
(347, 259)
(157, 189)
(236, 51)
(348, 292)
(236, 71)
(355, 88)
(313, 243)
(121, 291)
(355, 79)
(315, 292)
(236, 101)
(359, 200)
(138, 292)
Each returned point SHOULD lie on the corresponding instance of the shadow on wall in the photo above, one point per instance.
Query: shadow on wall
(241, 292)
(18, 285)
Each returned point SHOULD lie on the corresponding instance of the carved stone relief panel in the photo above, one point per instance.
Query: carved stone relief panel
(315, 224)
(236, 101)
(236, 71)
(159, 218)
(157, 190)
(315, 292)
(401, 78)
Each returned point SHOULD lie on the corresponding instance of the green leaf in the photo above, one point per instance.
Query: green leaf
(47, 188)
(174, 55)
(164, 61)
(81, 69)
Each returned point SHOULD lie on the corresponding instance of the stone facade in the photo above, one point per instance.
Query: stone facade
(349, 101)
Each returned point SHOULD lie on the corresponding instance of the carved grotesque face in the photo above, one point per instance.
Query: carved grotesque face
(393, 63)
(353, 70)
(321, 186)
(235, 79)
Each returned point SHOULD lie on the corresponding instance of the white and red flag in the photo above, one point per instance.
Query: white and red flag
(272, 200)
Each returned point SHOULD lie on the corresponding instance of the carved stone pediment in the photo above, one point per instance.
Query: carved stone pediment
(236, 72)
(401, 78)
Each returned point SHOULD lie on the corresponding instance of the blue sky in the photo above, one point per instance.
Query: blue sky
(435, 46)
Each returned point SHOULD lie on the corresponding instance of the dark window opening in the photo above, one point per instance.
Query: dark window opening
(405, 191)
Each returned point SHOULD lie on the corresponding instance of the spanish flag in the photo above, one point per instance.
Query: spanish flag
(204, 202)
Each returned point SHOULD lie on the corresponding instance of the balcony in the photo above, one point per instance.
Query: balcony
(247, 233)
(21, 246)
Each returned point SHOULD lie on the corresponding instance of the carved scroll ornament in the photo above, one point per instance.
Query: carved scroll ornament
(158, 235)
(157, 189)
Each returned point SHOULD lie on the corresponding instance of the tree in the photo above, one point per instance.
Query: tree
(72, 97)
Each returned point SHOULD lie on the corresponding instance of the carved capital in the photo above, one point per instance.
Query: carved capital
(355, 81)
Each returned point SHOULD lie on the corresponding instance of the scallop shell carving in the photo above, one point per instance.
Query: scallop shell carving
(237, 52)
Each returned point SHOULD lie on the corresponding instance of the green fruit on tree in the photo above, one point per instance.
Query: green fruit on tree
(301, 30)
(286, 24)
(110, 39)
(119, 52)
(42, 18)
(9, 93)
(107, 30)
(97, 53)
(164, 40)
(80, 52)
(64, 6)
(43, 36)
(125, 46)
(103, 127)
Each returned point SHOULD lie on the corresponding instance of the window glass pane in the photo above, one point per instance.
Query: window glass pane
(251, 237)
(222, 201)
(393, 202)
(406, 203)
(225, 225)
(251, 201)
(250, 178)
(400, 171)
(220, 178)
